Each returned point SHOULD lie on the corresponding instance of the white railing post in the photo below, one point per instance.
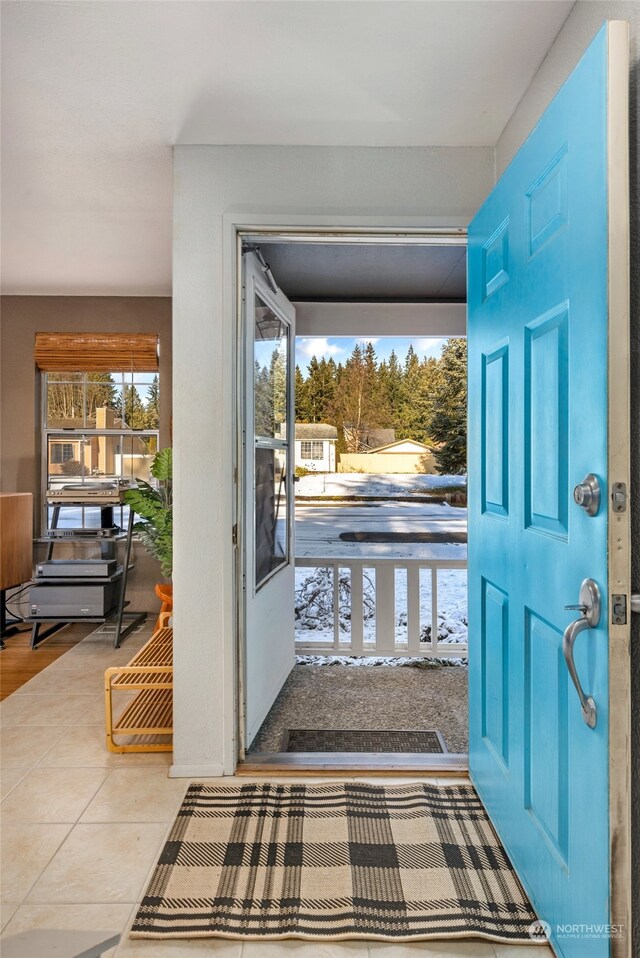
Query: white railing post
(385, 599)
(336, 605)
(385, 608)
(357, 607)
(434, 609)
(413, 609)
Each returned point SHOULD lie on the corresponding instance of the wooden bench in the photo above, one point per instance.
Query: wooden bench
(150, 713)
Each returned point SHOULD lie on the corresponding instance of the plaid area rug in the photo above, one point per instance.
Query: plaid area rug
(346, 860)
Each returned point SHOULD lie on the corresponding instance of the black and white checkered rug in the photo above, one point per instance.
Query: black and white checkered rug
(345, 860)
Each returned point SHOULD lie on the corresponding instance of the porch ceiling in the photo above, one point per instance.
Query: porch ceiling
(360, 273)
(95, 94)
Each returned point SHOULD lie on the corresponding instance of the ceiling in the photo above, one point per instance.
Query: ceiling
(347, 272)
(95, 94)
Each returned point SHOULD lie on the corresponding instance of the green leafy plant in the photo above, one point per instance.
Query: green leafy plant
(155, 508)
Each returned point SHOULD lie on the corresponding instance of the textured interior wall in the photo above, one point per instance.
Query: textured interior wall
(20, 438)
(407, 185)
(585, 20)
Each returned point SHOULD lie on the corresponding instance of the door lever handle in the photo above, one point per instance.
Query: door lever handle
(589, 608)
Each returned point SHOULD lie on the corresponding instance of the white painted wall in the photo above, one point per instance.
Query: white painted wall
(342, 186)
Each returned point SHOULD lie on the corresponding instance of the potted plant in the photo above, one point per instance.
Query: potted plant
(154, 506)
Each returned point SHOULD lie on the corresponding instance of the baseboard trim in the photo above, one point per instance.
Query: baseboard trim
(196, 771)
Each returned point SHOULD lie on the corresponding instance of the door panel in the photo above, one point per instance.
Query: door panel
(538, 328)
(268, 554)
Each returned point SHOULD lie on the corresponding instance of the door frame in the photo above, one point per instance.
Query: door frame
(236, 230)
(238, 226)
(619, 455)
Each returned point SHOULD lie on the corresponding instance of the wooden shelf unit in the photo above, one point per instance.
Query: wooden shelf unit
(150, 713)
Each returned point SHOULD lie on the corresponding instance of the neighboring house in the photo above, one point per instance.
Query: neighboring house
(401, 456)
(74, 455)
(316, 446)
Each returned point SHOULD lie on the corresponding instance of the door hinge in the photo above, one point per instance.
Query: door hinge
(618, 609)
(619, 497)
(234, 534)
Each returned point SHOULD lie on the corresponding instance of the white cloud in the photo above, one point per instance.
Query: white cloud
(317, 346)
(430, 346)
(369, 339)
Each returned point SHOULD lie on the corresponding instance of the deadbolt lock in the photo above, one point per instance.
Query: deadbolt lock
(587, 494)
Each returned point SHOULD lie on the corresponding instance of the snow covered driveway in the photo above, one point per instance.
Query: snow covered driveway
(318, 528)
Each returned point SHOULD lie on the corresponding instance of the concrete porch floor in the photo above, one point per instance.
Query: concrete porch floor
(370, 697)
(83, 828)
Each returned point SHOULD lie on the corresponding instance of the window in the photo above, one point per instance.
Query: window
(311, 450)
(98, 425)
(271, 389)
(61, 452)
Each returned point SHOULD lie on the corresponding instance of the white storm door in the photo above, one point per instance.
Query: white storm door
(268, 555)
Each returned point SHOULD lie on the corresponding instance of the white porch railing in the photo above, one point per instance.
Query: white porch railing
(380, 607)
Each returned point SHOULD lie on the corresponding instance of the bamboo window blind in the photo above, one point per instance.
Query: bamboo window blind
(97, 352)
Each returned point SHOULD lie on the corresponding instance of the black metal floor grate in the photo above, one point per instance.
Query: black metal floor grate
(362, 740)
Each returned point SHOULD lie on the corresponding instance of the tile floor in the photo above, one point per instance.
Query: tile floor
(82, 828)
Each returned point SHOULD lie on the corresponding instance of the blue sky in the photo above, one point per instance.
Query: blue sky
(340, 347)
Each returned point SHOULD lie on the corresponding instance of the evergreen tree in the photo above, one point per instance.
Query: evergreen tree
(278, 387)
(449, 419)
(301, 397)
(152, 411)
(101, 391)
(133, 408)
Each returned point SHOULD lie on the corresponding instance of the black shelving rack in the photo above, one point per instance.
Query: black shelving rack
(119, 614)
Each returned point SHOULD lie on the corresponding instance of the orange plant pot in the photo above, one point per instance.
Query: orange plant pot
(164, 591)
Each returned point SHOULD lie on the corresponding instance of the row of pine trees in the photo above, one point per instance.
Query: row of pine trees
(67, 398)
(423, 399)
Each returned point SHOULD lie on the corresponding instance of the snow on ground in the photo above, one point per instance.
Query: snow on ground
(359, 484)
(319, 524)
(317, 531)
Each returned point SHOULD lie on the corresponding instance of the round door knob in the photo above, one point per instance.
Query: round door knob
(587, 494)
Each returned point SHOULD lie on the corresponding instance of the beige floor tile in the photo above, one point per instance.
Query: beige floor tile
(84, 746)
(24, 745)
(6, 913)
(295, 948)
(52, 795)
(45, 709)
(71, 918)
(180, 948)
(137, 795)
(437, 948)
(94, 656)
(89, 681)
(95, 714)
(100, 864)
(25, 851)
(9, 778)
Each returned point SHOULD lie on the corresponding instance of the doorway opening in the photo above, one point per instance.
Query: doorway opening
(373, 674)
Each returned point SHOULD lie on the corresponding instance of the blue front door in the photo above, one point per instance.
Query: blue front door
(539, 389)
